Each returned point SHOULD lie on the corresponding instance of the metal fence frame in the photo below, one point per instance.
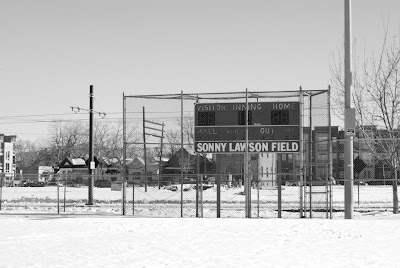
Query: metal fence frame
(196, 97)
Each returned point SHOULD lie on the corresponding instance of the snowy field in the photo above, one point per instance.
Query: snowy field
(104, 241)
(166, 203)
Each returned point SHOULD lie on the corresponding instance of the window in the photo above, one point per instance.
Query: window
(8, 155)
(280, 117)
(7, 167)
(242, 118)
(206, 118)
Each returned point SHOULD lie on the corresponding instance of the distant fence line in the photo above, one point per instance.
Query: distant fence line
(212, 197)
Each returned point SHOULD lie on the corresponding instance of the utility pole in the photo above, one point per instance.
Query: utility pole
(91, 166)
(91, 157)
(161, 152)
(144, 151)
(349, 117)
(124, 171)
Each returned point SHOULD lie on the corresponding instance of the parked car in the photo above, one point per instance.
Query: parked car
(53, 183)
(292, 183)
(174, 188)
(33, 184)
(102, 184)
(205, 186)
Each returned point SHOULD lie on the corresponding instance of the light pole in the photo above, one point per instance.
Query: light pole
(349, 117)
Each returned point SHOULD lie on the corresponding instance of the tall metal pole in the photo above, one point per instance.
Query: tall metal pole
(91, 157)
(124, 154)
(330, 153)
(310, 158)
(144, 151)
(348, 144)
(301, 169)
(197, 183)
(161, 153)
(182, 162)
(247, 188)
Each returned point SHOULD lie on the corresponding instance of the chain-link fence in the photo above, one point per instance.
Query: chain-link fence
(208, 196)
(276, 123)
(60, 194)
(287, 169)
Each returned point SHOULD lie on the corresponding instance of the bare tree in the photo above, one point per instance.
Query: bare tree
(174, 136)
(108, 142)
(67, 139)
(173, 140)
(376, 98)
(188, 129)
(30, 155)
(25, 152)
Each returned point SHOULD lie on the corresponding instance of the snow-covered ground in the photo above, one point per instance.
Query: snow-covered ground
(102, 241)
(165, 203)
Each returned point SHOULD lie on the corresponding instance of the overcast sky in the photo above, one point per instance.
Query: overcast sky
(52, 51)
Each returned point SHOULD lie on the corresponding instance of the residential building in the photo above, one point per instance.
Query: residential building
(77, 169)
(192, 165)
(7, 157)
(136, 170)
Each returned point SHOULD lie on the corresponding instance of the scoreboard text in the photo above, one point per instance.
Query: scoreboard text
(272, 127)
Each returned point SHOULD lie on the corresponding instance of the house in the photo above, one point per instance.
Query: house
(77, 169)
(136, 170)
(192, 165)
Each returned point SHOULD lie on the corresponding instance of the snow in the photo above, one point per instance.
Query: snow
(166, 203)
(40, 240)
(32, 234)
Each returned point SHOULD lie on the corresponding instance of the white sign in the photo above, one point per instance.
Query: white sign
(92, 165)
(240, 147)
(350, 121)
(350, 132)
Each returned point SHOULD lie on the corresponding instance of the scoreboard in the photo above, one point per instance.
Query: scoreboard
(272, 127)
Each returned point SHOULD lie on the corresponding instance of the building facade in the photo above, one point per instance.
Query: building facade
(7, 157)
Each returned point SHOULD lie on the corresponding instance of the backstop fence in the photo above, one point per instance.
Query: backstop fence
(258, 142)
(237, 154)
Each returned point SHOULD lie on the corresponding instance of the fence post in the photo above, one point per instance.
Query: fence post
(218, 196)
(65, 189)
(258, 197)
(124, 153)
(197, 184)
(279, 197)
(1, 190)
(124, 184)
(133, 196)
(58, 194)
(301, 169)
